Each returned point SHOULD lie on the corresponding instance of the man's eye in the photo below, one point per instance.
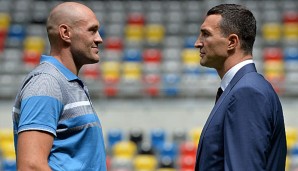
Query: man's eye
(204, 34)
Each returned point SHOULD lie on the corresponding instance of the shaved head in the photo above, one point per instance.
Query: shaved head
(68, 13)
(73, 34)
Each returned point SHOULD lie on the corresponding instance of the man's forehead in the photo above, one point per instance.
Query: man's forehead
(211, 22)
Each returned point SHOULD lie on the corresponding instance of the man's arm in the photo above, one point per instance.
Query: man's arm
(33, 150)
(247, 131)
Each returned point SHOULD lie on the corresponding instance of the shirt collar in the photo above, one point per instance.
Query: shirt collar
(231, 73)
(65, 71)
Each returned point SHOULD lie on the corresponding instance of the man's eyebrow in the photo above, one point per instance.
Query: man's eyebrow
(203, 30)
(95, 26)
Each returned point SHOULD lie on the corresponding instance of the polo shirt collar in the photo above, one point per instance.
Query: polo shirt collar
(65, 71)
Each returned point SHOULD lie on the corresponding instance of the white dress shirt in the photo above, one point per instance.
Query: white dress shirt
(231, 73)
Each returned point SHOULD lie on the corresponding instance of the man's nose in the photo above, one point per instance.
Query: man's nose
(98, 38)
(198, 43)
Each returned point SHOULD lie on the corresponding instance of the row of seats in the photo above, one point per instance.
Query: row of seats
(151, 150)
(148, 48)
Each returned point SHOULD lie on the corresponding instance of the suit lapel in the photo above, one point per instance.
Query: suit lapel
(244, 70)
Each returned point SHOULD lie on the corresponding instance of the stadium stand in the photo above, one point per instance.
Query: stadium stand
(148, 52)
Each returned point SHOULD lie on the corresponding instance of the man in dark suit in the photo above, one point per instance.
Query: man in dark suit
(245, 130)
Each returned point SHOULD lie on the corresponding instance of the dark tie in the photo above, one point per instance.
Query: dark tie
(218, 94)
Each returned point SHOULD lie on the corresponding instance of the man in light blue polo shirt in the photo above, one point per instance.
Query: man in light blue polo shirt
(55, 124)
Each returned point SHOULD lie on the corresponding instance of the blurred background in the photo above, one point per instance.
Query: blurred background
(149, 91)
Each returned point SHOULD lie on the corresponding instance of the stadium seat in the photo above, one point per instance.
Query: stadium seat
(110, 72)
(189, 41)
(166, 169)
(124, 149)
(291, 54)
(113, 43)
(134, 32)
(293, 164)
(91, 71)
(154, 33)
(170, 84)
(146, 148)
(187, 162)
(136, 18)
(17, 32)
(292, 137)
(34, 43)
(110, 90)
(157, 137)
(136, 136)
(31, 58)
(166, 162)
(179, 136)
(131, 71)
(272, 53)
(9, 165)
(290, 16)
(188, 148)
(132, 55)
(195, 134)
(145, 162)
(290, 31)
(272, 32)
(114, 136)
(120, 163)
(152, 56)
(168, 149)
(4, 20)
(190, 56)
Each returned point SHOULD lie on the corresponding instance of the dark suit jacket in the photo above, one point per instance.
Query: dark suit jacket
(245, 130)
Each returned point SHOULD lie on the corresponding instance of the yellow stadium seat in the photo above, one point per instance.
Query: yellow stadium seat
(166, 169)
(274, 66)
(4, 21)
(134, 32)
(291, 31)
(145, 162)
(155, 32)
(131, 70)
(8, 150)
(190, 56)
(292, 137)
(34, 43)
(195, 135)
(6, 134)
(272, 31)
(110, 69)
(288, 163)
(126, 149)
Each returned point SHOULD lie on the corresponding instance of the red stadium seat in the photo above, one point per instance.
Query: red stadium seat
(272, 53)
(91, 71)
(110, 91)
(31, 58)
(187, 162)
(188, 148)
(152, 55)
(113, 43)
(290, 17)
(136, 18)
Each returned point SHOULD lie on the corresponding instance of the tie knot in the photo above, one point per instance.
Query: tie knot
(218, 94)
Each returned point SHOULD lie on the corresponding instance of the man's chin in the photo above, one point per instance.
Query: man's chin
(96, 59)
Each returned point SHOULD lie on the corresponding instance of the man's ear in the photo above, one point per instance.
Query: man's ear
(64, 32)
(233, 41)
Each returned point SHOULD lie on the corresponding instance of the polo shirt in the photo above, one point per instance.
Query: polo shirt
(54, 100)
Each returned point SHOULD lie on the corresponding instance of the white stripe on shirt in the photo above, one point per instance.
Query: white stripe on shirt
(76, 104)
